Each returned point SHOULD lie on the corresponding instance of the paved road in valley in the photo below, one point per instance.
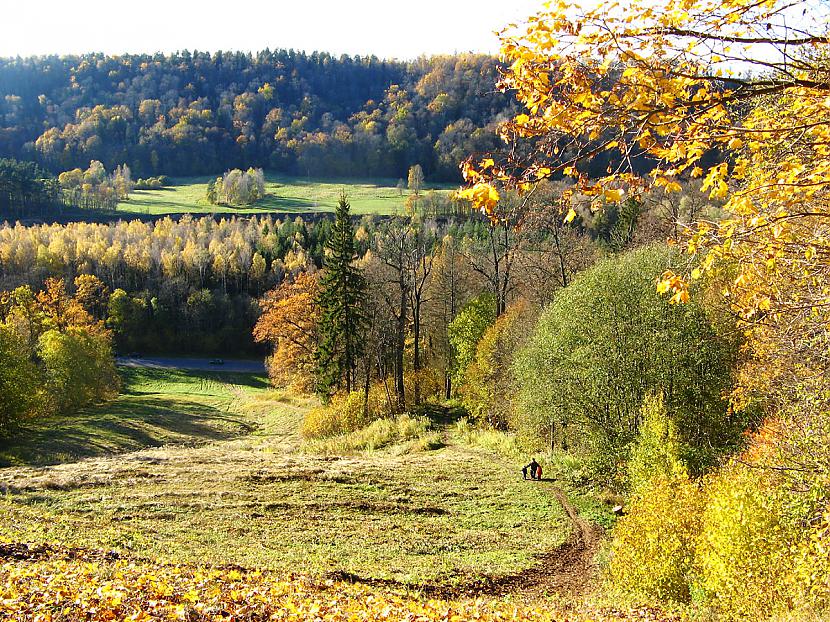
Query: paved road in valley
(229, 365)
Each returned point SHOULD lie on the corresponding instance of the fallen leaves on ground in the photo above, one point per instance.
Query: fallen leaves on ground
(53, 583)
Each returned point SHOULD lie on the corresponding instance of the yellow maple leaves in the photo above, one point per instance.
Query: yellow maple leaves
(483, 196)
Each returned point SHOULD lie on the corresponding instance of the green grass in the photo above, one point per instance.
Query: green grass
(236, 487)
(155, 408)
(284, 194)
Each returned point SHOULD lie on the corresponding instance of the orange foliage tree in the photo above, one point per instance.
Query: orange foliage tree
(289, 322)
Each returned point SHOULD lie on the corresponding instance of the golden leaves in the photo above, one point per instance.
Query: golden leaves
(674, 284)
(642, 78)
(715, 181)
(122, 590)
(613, 195)
(482, 196)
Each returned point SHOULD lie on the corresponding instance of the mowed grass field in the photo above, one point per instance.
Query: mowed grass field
(283, 194)
(206, 468)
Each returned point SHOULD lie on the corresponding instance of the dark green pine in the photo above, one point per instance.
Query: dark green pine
(342, 321)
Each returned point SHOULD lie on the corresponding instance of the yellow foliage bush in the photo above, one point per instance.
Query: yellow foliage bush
(431, 385)
(379, 434)
(345, 413)
(657, 450)
(653, 547)
(812, 565)
(747, 550)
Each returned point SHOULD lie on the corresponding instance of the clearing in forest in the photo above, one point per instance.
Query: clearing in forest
(192, 497)
(230, 484)
(285, 194)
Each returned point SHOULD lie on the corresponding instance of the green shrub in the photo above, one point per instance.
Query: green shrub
(78, 366)
(606, 342)
(20, 394)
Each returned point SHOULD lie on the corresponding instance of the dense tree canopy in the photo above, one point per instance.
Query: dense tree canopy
(197, 113)
(54, 355)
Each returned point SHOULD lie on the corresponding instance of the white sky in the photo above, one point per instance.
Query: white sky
(387, 29)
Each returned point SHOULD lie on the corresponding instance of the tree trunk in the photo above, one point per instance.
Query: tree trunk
(400, 388)
(416, 314)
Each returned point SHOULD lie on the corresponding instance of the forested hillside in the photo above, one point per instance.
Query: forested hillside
(197, 113)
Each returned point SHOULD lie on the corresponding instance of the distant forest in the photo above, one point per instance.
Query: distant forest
(199, 113)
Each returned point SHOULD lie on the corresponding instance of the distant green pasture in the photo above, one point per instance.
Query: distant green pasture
(284, 194)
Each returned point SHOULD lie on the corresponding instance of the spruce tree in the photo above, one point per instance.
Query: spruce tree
(342, 290)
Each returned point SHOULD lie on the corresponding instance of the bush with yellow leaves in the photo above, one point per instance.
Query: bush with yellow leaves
(353, 411)
(745, 563)
(653, 547)
(343, 414)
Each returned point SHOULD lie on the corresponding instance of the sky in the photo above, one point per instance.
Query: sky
(385, 28)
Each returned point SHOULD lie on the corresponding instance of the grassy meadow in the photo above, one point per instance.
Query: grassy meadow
(208, 468)
(285, 194)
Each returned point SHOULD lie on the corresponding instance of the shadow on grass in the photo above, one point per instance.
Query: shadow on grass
(144, 380)
(131, 422)
(288, 204)
(440, 414)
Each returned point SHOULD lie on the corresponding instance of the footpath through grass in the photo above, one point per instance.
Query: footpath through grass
(230, 485)
(285, 194)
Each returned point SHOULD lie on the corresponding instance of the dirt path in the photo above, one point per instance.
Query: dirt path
(568, 572)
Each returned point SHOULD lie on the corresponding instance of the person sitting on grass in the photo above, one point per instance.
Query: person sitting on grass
(534, 468)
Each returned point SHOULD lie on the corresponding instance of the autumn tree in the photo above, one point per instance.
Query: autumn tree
(489, 389)
(467, 329)
(450, 289)
(55, 356)
(60, 309)
(420, 265)
(415, 179)
(606, 342)
(92, 295)
(393, 246)
(493, 255)
(19, 381)
(342, 289)
(289, 322)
